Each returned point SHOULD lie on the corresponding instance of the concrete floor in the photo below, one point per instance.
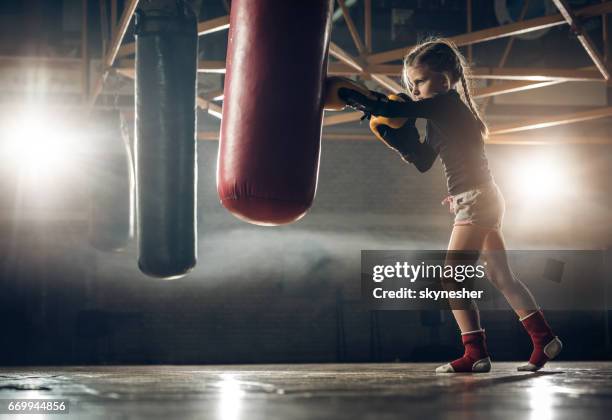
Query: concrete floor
(317, 391)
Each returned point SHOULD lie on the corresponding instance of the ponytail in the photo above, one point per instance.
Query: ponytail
(470, 102)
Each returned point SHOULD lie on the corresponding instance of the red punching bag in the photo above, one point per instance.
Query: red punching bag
(270, 139)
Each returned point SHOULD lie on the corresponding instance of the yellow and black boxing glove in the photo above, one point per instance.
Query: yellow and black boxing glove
(377, 122)
(333, 100)
(397, 133)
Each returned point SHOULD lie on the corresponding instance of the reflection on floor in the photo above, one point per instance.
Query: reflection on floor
(317, 391)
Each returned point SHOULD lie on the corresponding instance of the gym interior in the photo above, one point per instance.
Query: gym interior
(189, 228)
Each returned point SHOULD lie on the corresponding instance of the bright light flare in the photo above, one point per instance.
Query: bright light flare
(231, 395)
(542, 400)
(37, 145)
(541, 177)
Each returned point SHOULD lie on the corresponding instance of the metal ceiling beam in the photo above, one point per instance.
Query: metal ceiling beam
(519, 86)
(341, 55)
(126, 66)
(500, 89)
(552, 121)
(202, 103)
(213, 25)
(359, 68)
(204, 28)
(507, 49)
(367, 23)
(529, 78)
(512, 140)
(586, 74)
(111, 55)
(352, 66)
(351, 27)
(387, 82)
(341, 117)
(522, 81)
(126, 50)
(214, 95)
(497, 140)
(537, 74)
(583, 37)
(516, 28)
(510, 87)
(208, 66)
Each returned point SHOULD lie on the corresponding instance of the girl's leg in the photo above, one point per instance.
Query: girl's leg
(499, 273)
(476, 357)
(467, 238)
(546, 345)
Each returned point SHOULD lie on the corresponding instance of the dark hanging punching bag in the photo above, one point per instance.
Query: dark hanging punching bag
(112, 184)
(270, 139)
(166, 171)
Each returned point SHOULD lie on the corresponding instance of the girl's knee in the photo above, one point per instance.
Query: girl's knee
(502, 279)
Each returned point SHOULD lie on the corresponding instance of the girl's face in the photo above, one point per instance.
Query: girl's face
(424, 83)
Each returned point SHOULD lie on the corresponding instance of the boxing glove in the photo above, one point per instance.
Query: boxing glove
(396, 123)
(333, 101)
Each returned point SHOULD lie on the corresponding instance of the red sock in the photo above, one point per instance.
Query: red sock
(541, 334)
(475, 349)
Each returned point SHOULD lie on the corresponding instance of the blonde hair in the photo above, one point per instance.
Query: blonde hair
(442, 55)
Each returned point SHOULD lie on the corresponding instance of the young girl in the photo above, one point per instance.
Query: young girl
(455, 132)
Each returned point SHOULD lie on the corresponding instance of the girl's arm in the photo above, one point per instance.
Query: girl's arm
(435, 108)
(421, 155)
(406, 141)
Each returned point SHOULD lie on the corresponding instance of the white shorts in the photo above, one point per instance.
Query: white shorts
(482, 206)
